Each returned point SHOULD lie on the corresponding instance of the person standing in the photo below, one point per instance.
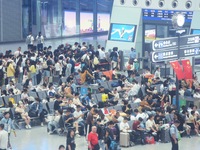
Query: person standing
(3, 138)
(30, 41)
(40, 41)
(8, 126)
(93, 143)
(133, 54)
(70, 141)
(174, 134)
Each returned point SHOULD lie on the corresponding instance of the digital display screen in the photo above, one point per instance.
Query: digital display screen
(195, 31)
(103, 22)
(86, 22)
(150, 35)
(69, 23)
(122, 32)
(164, 15)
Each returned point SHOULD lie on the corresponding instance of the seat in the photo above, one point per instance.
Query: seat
(64, 79)
(17, 98)
(118, 108)
(94, 98)
(105, 85)
(32, 94)
(6, 99)
(19, 86)
(99, 97)
(138, 79)
(42, 95)
(110, 108)
(1, 101)
(134, 105)
(143, 90)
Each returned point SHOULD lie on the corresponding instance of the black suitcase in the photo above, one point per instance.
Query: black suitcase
(165, 137)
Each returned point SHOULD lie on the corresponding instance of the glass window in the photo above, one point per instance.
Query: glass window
(149, 33)
(162, 31)
(86, 5)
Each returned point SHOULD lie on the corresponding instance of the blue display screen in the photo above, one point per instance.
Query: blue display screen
(122, 32)
(164, 15)
(195, 31)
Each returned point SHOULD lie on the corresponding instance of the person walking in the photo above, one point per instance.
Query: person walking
(93, 143)
(174, 134)
(70, 141)
(3, 138)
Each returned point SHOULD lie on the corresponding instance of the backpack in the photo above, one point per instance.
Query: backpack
(104, 97)
(1, 74)
(113, 145)
(12, 100)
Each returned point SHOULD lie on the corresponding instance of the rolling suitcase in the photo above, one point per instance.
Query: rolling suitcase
(124, 139)
(165, 137)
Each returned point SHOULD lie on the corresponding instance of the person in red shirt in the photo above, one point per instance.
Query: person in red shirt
(139, 127)
(93, 143)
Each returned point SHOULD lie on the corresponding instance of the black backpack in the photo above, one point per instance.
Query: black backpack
(1, 74)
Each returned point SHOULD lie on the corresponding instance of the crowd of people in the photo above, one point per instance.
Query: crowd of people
(145, 101)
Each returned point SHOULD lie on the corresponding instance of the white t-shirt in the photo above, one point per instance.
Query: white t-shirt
(77, 114)
(124, 126)
(3, 139)
(149, 124)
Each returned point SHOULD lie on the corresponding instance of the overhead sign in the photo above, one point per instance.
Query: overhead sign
(173, 54)
(172, 43)
(188, 40)
(164, 56)
(164, 15)
(165, 44)
(188, 52)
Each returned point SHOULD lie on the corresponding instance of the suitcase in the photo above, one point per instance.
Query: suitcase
(165, 137)
(124, 139)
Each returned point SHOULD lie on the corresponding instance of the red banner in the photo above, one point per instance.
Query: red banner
(178, 69)
(187, 69)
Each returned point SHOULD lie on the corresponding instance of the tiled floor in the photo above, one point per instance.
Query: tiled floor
(38, 139)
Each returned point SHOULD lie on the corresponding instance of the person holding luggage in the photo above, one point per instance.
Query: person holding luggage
(174, 134)
(93, 143)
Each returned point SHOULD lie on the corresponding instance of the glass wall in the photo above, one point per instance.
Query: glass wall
(60, 18)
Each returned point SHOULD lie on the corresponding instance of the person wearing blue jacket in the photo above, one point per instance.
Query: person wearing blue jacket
(36, 110)
(8, 125)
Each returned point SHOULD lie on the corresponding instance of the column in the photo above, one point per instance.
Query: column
(95, 16)
(77, 16)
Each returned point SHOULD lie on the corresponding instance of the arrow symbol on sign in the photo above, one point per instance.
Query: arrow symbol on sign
(156, 56)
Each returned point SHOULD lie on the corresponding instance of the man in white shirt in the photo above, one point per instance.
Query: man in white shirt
(3, 138)
(18, 52)
(40, 41)
(102, 54)
(30, 41)
(78, 116)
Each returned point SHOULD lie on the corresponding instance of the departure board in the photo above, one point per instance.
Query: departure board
(164, 15)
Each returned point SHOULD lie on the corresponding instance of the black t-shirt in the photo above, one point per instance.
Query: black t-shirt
(107, 91)
(148, 88)
(71, 142)
(67, 117)
(57, 105)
